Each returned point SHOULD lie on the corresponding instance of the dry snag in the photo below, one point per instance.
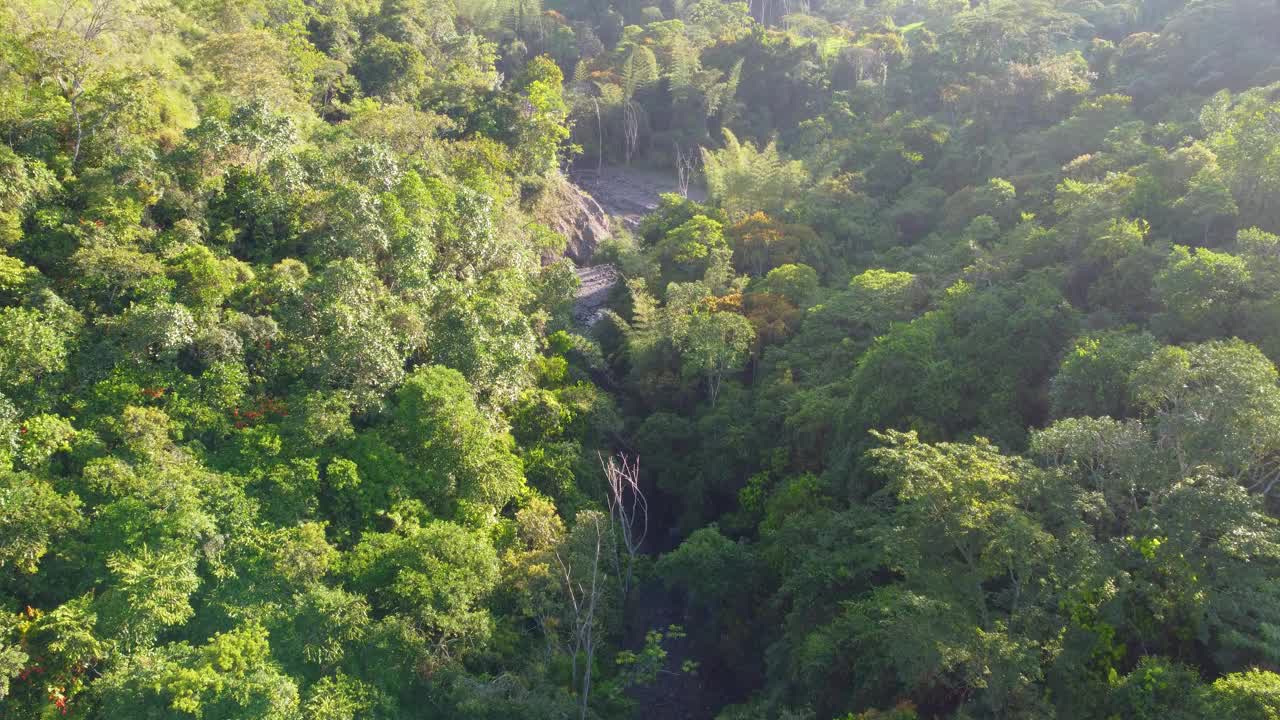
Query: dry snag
(584, 597)
(628, 508)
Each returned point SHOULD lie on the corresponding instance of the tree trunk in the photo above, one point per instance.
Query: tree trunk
(79, 123)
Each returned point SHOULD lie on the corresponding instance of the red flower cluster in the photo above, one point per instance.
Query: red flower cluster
(59, 700)
(265, 407)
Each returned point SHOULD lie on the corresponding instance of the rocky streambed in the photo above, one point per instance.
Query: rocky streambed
(597, 282)
(608, 197)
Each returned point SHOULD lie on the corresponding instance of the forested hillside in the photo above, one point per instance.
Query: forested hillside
(956, 398)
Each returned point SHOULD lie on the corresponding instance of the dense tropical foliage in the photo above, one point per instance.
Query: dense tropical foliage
(957, 397)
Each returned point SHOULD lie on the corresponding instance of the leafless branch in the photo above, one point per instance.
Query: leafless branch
(630, 129)
(584, 596)
(686, 165)
(628, 508)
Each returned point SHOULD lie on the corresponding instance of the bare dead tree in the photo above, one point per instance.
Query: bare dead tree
(770, 12)
(598, 537)
(600, 129)
(584, 598)
(629, 509)
(686, 165)
(630, 129)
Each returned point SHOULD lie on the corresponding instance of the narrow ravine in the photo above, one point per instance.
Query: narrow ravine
(627, 195)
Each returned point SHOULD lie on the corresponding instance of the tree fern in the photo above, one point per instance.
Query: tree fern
(518, 15)
(581, 73)
(685, 67)
(743, 179)
(645, 332)
(515, 16)
(644, 308)
(720, 96)
(639, 71)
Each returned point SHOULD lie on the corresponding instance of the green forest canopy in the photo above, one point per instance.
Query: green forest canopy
(957, 398)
